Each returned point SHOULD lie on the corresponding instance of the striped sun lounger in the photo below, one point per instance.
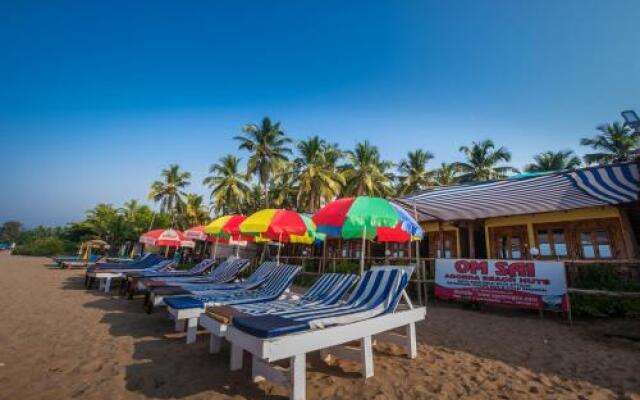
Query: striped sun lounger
(327, 290)
(189, 308)
(106, 276)
(134, 277)
(156, 295)
(371, 309)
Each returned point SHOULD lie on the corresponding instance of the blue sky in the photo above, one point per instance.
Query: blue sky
(97, 98)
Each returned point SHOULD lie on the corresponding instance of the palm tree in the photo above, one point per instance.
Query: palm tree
(253, 201)
(366, 173)
(268, 146)
(615, 143)
(317, 173)
(414, 175)
(169, 191)
(554, 161)
(284, 186)
(481, 162)
(193, 213)
(446, 175)
(229, 188)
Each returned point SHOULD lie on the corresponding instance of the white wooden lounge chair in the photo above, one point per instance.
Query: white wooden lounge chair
(106, 276)
(370, 312)
(187, 309)
(216, 282)
(326, 290)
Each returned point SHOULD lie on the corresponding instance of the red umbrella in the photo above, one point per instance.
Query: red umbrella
(166, 237)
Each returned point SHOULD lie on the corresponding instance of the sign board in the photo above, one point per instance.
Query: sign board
(526, 284)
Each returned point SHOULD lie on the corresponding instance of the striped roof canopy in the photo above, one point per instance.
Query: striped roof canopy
(589, 187)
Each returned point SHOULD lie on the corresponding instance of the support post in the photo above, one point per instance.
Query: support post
(366, 354)
(298, 367)
(236, 357)
(215, 343)
(472, 240)
(192, 330)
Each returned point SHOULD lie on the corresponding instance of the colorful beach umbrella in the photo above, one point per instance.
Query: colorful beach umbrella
(226, 228)
(366, 218)
(277, 224)
(166, 237)
(197, 233)
(311, 236)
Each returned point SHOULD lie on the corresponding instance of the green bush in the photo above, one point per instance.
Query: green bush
(602, 277)
(44, 247)
(590, 305)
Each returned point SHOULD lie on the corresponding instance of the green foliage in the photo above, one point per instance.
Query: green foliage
(615, 143)
(47, 246)
(602, 277)
(588, 305)
(345, 267)
(10, 231)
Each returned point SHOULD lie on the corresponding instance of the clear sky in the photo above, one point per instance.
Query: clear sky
(97, 97)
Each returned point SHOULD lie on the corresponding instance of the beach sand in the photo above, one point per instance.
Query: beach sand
(59, 341)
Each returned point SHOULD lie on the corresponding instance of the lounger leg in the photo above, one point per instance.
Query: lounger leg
(101, 283)
(192, 330)
(107, 285)
(179, 325)
(298, 367)
(411, 346)
(215, 342)
(236, 357)
(366, 354)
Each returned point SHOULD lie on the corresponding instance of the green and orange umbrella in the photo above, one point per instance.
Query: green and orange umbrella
(366, 218)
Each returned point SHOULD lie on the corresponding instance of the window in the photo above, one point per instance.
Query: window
(515, 247)
(544, 245)
(559, 243)
(595, 244)
(552, 242)
(510, 247)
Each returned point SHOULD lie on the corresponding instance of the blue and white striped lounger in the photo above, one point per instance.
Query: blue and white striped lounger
(107, 275)
(134, 277)
(327, 290)
(371, 309)
(217, 281)
(189, 308)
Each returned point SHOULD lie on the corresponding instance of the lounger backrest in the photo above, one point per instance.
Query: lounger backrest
(279, 280)
(409, 271)
(262, 272)
(201, 266)
(229, 269)
(377, 286)
(329, 288)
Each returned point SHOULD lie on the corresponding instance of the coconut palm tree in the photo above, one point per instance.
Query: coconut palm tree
(253, 201)
(482, 160)
(284, 186)
(414, 175)
(268, 146)
(193, 213)
(229, 187)
(366, 173)
(554, 161)
(446, 175)
(169, 191)
(318, 176)
(615, 143)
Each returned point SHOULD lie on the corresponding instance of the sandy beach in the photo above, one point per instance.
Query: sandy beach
(59, 341)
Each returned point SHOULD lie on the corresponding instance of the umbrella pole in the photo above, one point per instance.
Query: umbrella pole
(215, 249)
(237, 250)
(418, 266)
(362, 250)
(279, 245)
(166, 252)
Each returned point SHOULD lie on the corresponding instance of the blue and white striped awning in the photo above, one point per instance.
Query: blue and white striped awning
(589, 187)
